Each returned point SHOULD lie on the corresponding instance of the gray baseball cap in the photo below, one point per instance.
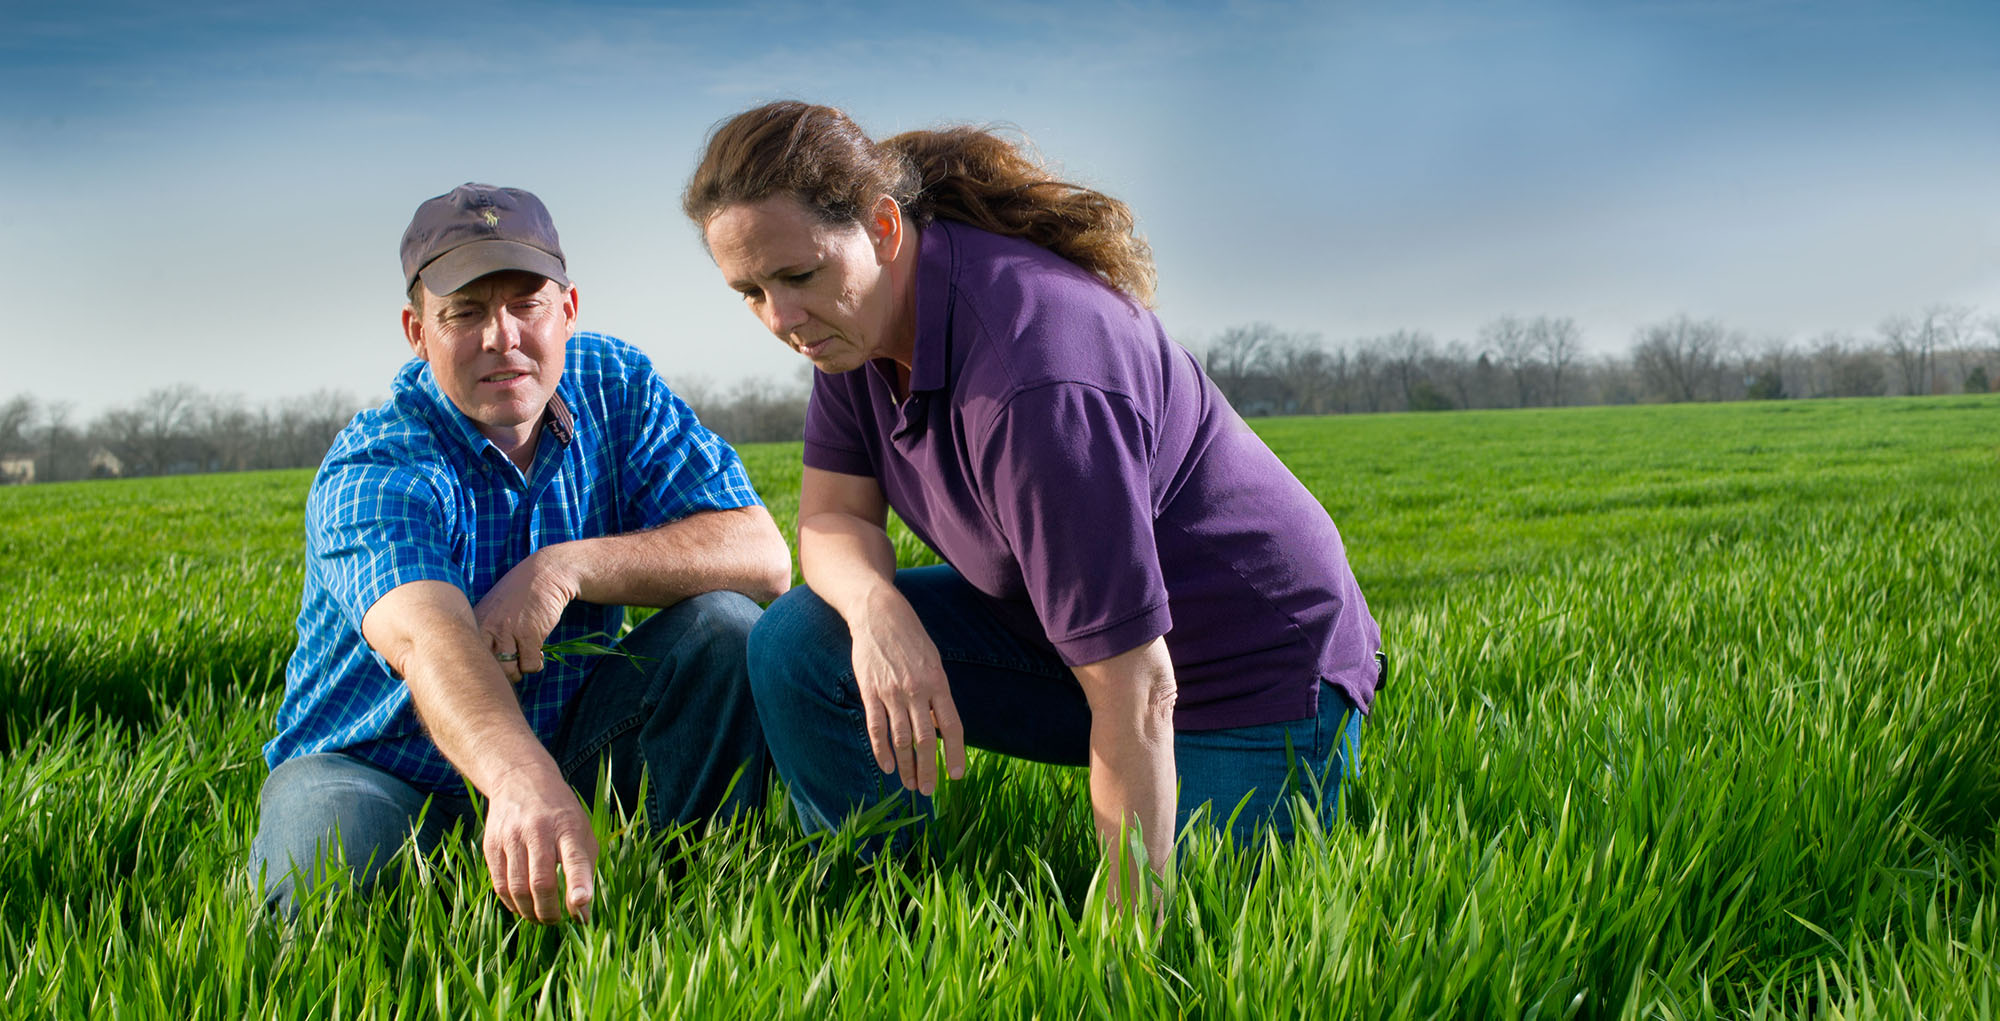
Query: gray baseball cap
(476, 229)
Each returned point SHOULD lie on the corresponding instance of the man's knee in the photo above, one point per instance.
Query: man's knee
(325, 810)
(712, 628)
(723, 620)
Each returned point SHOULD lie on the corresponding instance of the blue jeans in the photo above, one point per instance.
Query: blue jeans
(1017, 698)
(681, 714)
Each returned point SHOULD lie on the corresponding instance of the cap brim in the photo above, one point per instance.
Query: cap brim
(470, 261)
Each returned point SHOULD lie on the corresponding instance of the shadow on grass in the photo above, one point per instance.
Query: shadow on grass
(44, 683)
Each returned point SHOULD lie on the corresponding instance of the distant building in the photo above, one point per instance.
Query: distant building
(17, 471)
(104, 464)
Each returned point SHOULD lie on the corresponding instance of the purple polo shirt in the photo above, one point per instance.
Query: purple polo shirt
(1076, 466)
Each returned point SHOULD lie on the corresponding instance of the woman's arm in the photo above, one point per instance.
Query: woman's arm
(846, 557)
(1132, 774)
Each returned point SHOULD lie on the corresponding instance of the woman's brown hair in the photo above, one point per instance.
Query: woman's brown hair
(820, 157)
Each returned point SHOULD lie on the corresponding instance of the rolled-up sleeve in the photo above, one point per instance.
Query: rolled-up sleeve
(373, 527)
(674, 465)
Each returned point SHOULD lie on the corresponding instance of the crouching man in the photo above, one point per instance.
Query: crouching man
(523, 483)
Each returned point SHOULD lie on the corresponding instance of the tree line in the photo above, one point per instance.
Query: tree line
(1512, 362)
(1518, 362)
(173, 430)
(180, 430)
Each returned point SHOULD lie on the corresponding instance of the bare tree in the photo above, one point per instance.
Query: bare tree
(1558, 341)
(302, 428)
(1950, 329)
(150, 436)
(17, 420)
(1904, 339)
(1460, 371)
(1370, 378)
(1679, 359)
(1312, 377)
(1986, 333)
(1612, 380)
(696, 391)
(757, 410)
(64, 454)
(1507, 337)
(1239, 362)
(1841, 367)
(1770, 370)
(1407, 353)
(232, 433)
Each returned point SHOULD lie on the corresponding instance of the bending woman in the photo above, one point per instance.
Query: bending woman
(1135, 581)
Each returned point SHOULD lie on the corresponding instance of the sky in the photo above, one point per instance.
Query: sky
(212, 193)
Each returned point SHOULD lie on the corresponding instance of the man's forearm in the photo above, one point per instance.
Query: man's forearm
(427, 633)
(534, 825)
(736, 550)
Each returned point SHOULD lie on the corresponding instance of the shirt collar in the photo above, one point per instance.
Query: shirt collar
(558, 419)
(937, 258)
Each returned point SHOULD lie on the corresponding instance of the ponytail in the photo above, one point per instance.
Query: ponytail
(820, 157)
(980, 178)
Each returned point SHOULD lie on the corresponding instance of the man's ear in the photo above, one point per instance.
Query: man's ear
(570, 305)
(413, 331)
(885, 229)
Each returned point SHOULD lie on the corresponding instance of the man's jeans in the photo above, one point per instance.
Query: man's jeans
(681, 713)
(1016, 698)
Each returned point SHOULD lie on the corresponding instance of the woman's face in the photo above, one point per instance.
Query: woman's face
(821, 288)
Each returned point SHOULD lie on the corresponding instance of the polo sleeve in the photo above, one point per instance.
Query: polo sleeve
(674, 466)
(372, 527)
(1065, 471)
(833, 427)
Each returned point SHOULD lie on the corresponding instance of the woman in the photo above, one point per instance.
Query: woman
(1135, 581)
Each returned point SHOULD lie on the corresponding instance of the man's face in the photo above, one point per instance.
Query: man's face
(496, 347)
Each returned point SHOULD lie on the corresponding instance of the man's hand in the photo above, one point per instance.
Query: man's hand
(529, 833)
(427, 632)
(905, 695)
(518, 612)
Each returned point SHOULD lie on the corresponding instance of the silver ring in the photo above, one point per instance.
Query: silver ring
(506, 657)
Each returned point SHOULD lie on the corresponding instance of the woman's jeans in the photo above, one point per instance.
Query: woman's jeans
(678, 711)
(1017, 698)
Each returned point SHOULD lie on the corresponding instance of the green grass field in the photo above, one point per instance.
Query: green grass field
(1694, 714)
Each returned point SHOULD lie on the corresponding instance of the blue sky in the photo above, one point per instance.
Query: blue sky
(213, 193)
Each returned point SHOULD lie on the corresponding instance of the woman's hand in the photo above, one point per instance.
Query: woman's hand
(904, 693)
(845, 553)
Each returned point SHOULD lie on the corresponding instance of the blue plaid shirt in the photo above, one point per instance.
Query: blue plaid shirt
(411, 491)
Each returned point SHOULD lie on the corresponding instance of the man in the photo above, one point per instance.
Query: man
(521, 485)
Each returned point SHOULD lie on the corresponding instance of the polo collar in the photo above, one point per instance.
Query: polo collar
(937, 264)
